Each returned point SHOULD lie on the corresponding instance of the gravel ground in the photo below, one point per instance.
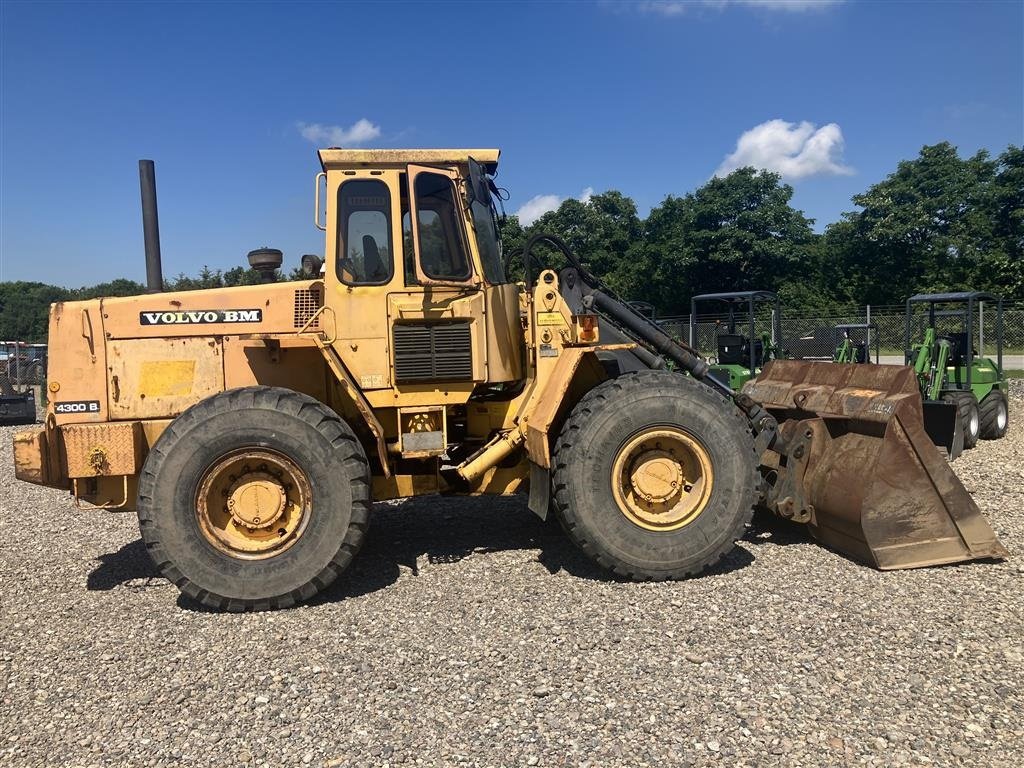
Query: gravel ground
(469, 632)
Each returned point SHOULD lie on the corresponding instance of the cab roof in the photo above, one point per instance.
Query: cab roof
(334, 158)
(738, 296)
(952, 297)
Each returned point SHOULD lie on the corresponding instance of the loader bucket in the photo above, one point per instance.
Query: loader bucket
(861, 470)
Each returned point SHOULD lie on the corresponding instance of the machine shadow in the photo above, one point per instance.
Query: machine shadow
(128, 564)
(449, 529)
(767, 528)
(403, 534)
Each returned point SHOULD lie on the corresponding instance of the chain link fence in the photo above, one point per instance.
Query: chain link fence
(23, 364)
(22, 381)
(816, 336)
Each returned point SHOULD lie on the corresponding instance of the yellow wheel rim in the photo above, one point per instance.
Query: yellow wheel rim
(661, 479)
(253, 503)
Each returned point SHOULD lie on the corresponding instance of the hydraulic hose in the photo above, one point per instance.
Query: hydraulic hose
(649, 333)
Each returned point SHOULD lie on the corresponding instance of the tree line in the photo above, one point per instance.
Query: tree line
(938, 222)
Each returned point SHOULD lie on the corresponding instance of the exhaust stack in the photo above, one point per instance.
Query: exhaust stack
(151, 226)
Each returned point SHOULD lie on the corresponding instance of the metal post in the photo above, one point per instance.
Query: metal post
(969, 352)
(867, 339)
(981, 328)
(753, 343)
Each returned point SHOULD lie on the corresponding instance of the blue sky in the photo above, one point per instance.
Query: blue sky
(648, 98)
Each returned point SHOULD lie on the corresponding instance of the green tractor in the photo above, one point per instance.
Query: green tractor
(950, 368)
(855, 344)
(740, 351)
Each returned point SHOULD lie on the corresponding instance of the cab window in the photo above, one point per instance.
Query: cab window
(364, 236)
(441, 247)
(488, 243)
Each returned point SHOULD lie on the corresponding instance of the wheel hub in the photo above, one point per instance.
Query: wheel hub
(656, 476)
(256, 500)
(253, 503)
(661, 479)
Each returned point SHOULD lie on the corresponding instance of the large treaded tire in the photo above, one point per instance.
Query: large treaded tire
(967, 411)
(994, 409)
(299, 427)
(585, 452)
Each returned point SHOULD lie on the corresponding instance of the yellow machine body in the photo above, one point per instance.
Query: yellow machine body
(455, 380)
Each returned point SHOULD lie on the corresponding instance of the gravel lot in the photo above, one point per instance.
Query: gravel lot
(469, 632)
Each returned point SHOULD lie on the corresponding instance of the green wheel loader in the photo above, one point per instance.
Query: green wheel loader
(949, 366)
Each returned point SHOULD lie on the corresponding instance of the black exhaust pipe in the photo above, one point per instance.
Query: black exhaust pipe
(151, 226)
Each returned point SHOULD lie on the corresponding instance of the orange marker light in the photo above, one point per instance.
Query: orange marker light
(587, 325)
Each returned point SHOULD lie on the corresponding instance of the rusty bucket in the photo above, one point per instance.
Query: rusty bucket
(861, 470)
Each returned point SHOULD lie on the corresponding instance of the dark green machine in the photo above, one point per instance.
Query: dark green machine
(855, 343)
(740, 351)
(949, 366)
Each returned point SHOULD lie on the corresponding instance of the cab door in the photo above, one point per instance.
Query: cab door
(363, 269)
(438, 322)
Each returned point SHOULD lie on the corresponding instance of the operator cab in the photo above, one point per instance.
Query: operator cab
(744, 328)
(854, 343)
(959, 319)
(415, 297)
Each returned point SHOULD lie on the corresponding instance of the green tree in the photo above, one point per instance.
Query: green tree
(937, 223)
(24, 309)
(600, 231)
(118, 287)
(734, 233)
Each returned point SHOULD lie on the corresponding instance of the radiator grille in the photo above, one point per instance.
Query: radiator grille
(433, 351)
(307, 302)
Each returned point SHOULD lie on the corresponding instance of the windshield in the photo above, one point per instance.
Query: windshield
(485, 222)
(486, 225)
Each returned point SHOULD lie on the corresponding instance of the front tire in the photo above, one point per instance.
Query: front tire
(255, 498)
(995, 415)
(654, 476)
(967, 411)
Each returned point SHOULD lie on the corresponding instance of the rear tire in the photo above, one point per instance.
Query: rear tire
(238, 455)
(967, 411)
(655, 476)
(995, 415)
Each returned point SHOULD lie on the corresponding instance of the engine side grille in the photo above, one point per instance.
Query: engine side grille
(307, 302)
(433, 351)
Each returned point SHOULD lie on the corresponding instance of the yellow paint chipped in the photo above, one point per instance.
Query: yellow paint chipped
(167, 378)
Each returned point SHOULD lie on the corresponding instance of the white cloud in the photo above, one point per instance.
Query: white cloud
(793, 150)
(538, 205)
(358, 133)
(680, 7)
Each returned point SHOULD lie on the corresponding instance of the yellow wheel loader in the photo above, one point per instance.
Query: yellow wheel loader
(252, 427)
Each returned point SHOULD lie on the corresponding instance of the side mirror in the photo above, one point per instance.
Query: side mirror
(478, 189)
(311, 265)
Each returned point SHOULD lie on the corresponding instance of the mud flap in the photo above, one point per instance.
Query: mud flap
(868, 479)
